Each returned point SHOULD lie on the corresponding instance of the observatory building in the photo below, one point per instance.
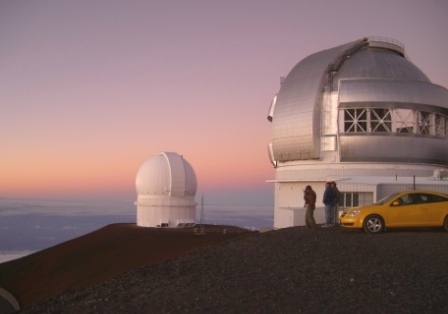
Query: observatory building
(166, 187)
(362, 115)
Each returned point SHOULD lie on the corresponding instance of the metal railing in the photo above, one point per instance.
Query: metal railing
(386, 40)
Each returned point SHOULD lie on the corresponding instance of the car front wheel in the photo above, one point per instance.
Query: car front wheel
(374, 224)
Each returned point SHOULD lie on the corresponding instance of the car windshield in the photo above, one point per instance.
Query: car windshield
(386, 199)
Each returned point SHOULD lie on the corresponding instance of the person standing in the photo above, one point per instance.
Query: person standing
(336, 203)
(309, 197)
(328, 200)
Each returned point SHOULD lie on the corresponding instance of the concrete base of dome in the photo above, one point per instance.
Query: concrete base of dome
(166, 217)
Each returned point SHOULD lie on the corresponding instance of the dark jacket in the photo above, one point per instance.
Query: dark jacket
(329, 196)
(337, 196)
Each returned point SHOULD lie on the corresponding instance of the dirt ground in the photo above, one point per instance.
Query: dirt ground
(330, 270)
(102, 255)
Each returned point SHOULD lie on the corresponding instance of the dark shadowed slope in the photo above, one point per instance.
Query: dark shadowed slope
(101, 255)
(292, 270)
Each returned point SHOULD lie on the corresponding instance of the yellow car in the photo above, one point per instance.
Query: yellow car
(403, 209)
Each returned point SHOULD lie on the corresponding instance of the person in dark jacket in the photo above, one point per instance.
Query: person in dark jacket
(309, 197)
(329, 201)
(336, 203)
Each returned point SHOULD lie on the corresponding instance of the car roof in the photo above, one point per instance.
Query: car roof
(422, 192)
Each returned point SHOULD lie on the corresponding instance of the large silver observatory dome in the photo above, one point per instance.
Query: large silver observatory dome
(366, 102)
(361, 115)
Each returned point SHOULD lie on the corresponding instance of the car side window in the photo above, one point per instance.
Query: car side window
(424, 198)
(404, 200)
(436, 198)
(413, 198)
(408, 199)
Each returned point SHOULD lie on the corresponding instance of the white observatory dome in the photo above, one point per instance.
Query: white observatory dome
(166, 186)
(166, 174)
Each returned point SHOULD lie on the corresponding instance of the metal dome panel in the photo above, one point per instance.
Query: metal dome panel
(167, 174)
(380, 93)
(378, 63)
(177, 174)
(296, 117)
(398, 148)
(153, 177)
(191, 181)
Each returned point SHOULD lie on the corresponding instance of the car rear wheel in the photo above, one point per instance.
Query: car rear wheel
(445, 224)
(374, 224)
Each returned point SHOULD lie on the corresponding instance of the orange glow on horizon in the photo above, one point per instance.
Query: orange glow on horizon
(45, 177)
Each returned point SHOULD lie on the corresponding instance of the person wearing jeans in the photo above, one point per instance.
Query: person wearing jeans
(309, 197)
(336, 203)
(328, 200)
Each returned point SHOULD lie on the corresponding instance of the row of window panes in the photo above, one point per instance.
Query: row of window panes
(354, 199)
(373, 120)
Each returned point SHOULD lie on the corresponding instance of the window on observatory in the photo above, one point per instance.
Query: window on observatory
(381, 120)
(353, 199)
(387, 120)
(441, 129)
(355, 120)
(425, 123)
(405, 122)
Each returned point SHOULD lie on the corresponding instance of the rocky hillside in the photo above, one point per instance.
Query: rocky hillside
(292, 270)
(102, 255)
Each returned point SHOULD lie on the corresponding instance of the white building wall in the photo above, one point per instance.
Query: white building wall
(372, 181)
(152, 211)
(310, 171)
(289, 208)
(291, 217)
(363, 189)
(154, 216)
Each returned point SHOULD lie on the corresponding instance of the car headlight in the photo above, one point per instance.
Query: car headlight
(354, 213)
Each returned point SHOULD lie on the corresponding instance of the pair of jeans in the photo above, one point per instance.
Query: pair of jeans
(329, 214)
(309, 217)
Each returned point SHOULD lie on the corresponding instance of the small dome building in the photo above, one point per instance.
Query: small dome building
(166, 188)
(362, 115)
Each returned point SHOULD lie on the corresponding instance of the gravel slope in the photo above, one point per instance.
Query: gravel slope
(329, 270)
(102, 255)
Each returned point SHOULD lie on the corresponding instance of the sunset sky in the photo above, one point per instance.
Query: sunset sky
(91, 89)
